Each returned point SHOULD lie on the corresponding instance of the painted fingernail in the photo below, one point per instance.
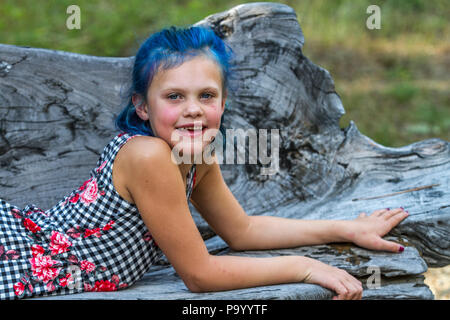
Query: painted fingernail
(401, 249)
(388, 208)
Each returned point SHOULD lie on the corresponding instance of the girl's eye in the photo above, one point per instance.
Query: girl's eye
(173, 96)
(207, 94)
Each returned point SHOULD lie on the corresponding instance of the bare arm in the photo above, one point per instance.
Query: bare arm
(267, 232)
(242, 232)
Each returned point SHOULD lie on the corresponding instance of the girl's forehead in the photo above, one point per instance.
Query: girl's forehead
(199, 69)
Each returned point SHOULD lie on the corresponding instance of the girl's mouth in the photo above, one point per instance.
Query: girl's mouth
(192, 131)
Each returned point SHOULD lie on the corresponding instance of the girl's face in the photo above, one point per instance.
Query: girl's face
(185, 105)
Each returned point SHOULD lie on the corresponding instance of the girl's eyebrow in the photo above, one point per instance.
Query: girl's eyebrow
(183, 90)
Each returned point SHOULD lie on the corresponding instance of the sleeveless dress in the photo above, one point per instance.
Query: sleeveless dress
(92, 240)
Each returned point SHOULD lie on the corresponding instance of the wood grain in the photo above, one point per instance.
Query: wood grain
(57, 111)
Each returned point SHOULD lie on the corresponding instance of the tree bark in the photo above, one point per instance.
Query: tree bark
(57, 111)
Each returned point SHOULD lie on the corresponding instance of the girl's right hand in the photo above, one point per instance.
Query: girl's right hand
(345, 285)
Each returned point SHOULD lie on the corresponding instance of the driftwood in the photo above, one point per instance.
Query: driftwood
(56, 115)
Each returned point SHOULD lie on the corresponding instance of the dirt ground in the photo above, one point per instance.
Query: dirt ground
(438, 279)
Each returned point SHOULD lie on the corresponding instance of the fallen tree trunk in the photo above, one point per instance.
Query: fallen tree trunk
(56, 115)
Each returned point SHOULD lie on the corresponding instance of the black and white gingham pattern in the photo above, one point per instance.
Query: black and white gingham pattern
(122, 253)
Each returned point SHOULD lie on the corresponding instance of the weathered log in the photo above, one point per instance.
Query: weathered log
(57, 111)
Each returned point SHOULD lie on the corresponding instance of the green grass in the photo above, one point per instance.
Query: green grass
(393, 81)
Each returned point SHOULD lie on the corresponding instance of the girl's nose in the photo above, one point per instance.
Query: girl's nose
(193, 109)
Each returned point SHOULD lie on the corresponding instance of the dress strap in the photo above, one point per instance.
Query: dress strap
(190, 181)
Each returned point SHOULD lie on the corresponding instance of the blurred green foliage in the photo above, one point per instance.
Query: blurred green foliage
(393, 81)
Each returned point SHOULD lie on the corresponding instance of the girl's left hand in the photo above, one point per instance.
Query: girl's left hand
(367, 230)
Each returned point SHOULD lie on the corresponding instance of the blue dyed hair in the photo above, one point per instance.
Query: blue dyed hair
(166, 49)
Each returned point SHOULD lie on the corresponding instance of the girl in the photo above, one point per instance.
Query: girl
(107, 233)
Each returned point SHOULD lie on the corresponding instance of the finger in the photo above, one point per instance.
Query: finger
(351, 285)
(389, 246)
(341, 290)
(392, 212)
(359, 289)
(354, 287)
(378, 213)
(350, 288)
(397, 218)
(362, 214)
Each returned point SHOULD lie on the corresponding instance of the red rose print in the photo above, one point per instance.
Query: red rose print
(9, 254)
(73, 259)
(42, 267)
(88, 287)
(101, 167)
(19, 288)
(68, 279)
(147, 236)
(75, 198)
(90, 191)
(115, 279)
(74, 233)
(12, 254)
(193, 182)
(108, 226)
(16, 213)
(59, 243)
(50, 286)
(30, 225)
(37, 250)
(104, 285)
(84, 185)
(90, 232)
(87, 266)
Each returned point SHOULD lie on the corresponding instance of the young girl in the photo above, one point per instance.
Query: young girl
(107, 233)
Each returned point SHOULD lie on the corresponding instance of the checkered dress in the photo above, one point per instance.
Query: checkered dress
(92, 240)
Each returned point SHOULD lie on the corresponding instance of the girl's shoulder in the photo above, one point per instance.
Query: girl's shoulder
(141, 146)
(142, 151)
(137, 155)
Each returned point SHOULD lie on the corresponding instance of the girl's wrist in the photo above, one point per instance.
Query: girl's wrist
(304, 268)
(345, 230)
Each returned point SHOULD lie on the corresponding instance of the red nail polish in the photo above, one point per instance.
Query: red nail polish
(401, 249)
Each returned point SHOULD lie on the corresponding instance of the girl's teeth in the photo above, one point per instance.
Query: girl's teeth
(196, 128)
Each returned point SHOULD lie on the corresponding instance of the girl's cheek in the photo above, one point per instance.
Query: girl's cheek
(169, 117)
(214, 116)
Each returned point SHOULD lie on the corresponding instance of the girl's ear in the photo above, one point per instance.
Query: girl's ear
(140, 106)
